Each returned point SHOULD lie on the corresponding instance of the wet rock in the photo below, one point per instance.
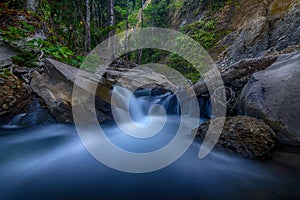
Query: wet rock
(249, 137)
(273, 95)
(33, 118)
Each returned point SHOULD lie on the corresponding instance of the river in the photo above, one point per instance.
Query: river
(50, 162)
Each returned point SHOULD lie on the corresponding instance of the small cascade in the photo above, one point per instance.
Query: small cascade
(171, 103)
(140, 103)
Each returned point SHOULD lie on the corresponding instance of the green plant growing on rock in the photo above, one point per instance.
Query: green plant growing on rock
(203, 32)
(26, 59)
(216, 5)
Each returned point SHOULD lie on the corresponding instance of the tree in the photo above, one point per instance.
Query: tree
(111, 26)
(127, 27)
(111, 16)
(88, 27)
(142, 23)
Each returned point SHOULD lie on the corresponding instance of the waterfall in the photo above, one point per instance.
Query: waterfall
(150, 109)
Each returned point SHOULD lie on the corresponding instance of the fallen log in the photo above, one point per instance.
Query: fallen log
(238, 70)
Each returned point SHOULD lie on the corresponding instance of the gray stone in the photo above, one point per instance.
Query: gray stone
(6, 54)
(138, 77)
(274, 95)
(246, 136)
(267, 32)
(55, 87)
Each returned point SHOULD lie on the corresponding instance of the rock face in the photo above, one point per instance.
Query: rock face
(260, 28)
(274, 95)
(246, 136)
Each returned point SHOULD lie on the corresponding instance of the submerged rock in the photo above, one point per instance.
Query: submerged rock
(37, 114)
(246, 136)
(274, 95)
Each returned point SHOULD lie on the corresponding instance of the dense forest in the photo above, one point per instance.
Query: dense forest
(70, 29)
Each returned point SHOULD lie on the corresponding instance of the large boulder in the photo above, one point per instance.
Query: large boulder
(246, 136)
(274, 95)
(55, 86)
(137, 77)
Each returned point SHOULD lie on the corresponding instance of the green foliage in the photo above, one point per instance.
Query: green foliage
(4, 72)
(177, 5)
(26, 59)
(61, 53)
(203, 32)
(184, 67)
(17, 33)
(217, 5)
(121, 11)
(36, 47)
(157, 13)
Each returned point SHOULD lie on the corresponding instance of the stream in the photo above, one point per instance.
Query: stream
(50, 162)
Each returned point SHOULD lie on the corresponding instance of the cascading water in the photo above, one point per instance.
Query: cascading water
(50, 162)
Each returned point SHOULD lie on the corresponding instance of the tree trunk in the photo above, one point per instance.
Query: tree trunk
(111, 15)
(88, 27)
(101, 15)
(240, 70)
(127, 27)
(142, 23)
(111, 24)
